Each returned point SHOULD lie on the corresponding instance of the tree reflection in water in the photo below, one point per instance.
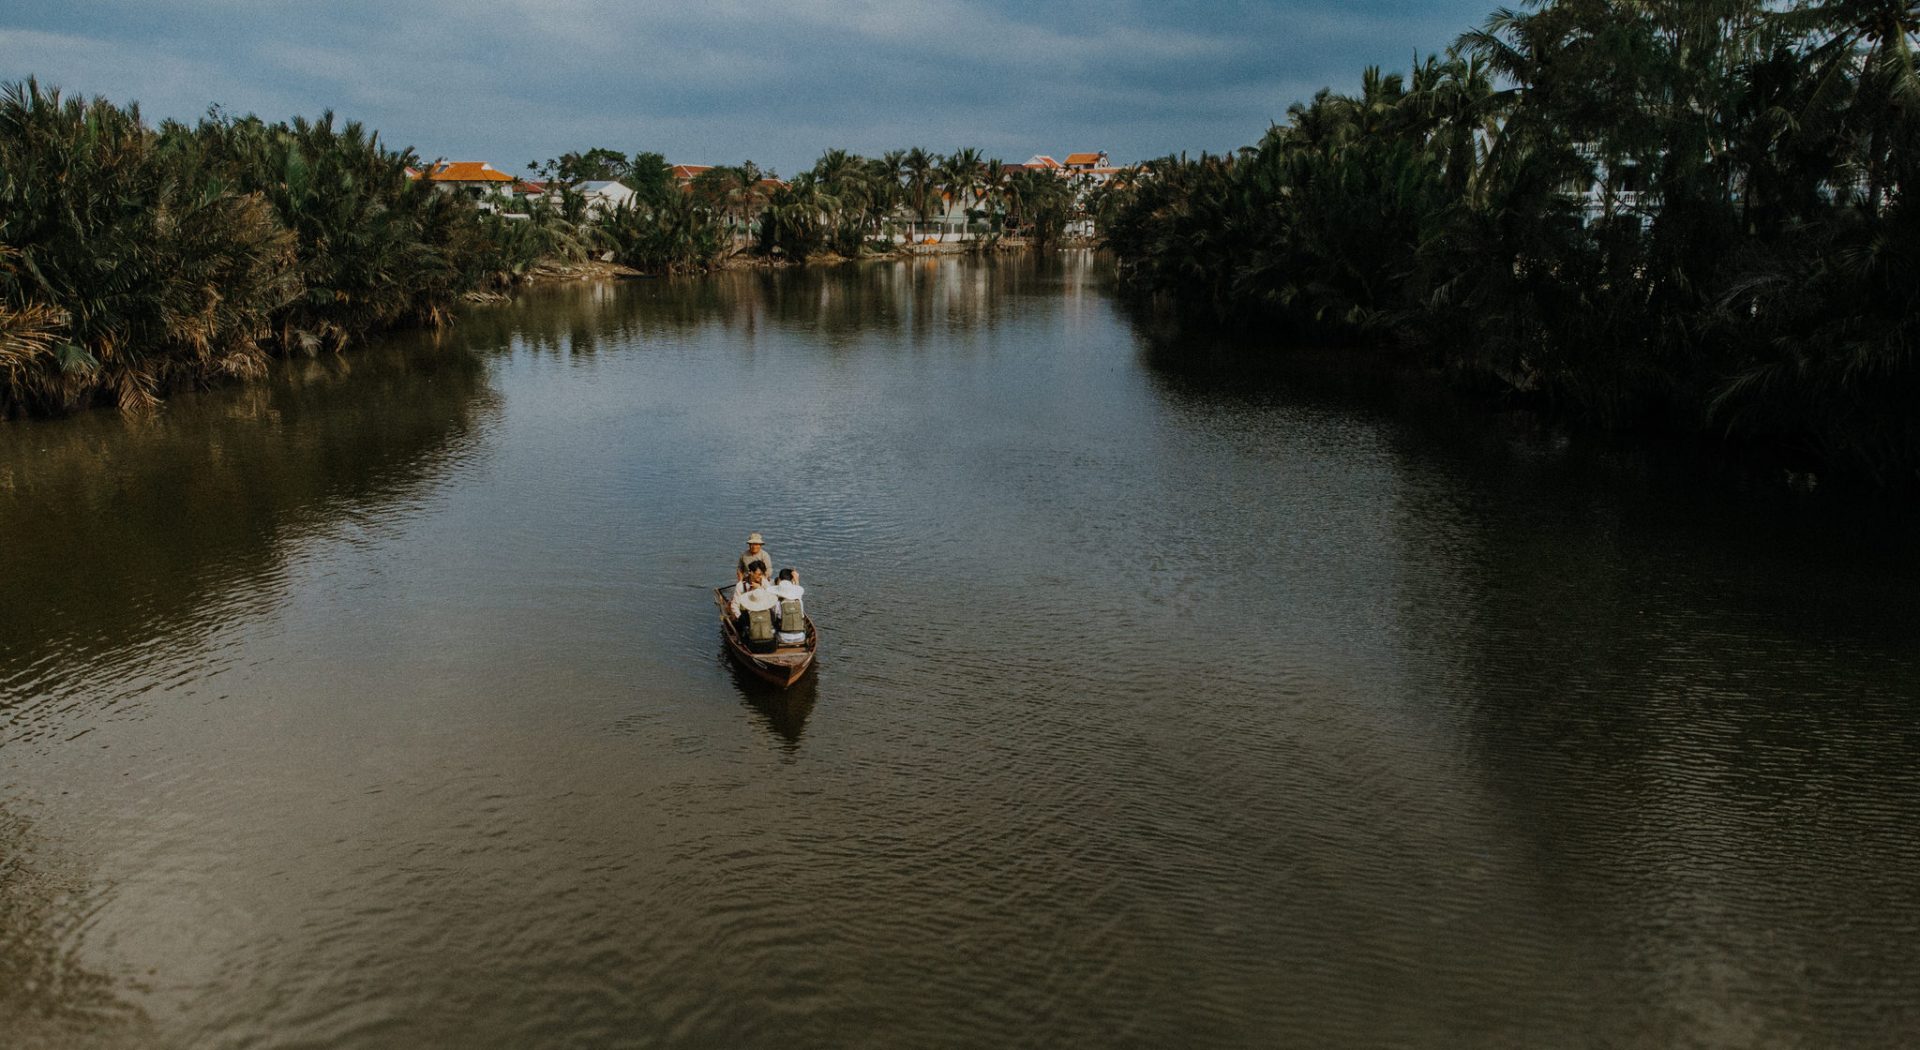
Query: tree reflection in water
(48, 997)
(119, 545)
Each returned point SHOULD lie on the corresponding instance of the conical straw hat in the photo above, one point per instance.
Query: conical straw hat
(756, 600)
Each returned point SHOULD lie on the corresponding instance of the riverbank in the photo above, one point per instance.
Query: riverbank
(136, 262)
(1668, 260)
(558, 270)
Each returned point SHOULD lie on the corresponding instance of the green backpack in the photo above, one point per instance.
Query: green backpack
(760, 625)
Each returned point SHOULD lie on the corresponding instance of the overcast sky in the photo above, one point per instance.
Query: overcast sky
(718, 81)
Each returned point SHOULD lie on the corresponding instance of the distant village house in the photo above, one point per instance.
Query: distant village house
(476, 179)
(604, 196)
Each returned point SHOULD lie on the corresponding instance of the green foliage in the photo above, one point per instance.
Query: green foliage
(731, 194)
(517, 242)
(134, 261)
(848, 204)
(1683, 214)
(594, 165)
(125, 270)
(1039, 204)
(650, 177)
(799, 219)
(676, 235)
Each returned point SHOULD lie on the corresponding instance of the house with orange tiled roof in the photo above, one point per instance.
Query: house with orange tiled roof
(472, 178)
(1086, 161)
(684, 174)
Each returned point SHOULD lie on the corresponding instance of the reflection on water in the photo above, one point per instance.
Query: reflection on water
(1165, 701)
(907, 304)
(48, 996)
(782, 711)
(129, 539)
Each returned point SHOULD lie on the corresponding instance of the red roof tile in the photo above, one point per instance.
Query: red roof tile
(467, 171)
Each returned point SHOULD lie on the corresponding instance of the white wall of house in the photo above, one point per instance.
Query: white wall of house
(605, 197)
(487, 196)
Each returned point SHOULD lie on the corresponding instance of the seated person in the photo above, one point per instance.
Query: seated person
(755, 623)
(754, 579)
(790, 615)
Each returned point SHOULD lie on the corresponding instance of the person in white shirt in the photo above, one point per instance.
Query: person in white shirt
(790, 616)
(753, 579)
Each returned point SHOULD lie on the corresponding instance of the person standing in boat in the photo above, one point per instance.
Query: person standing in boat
(756, 553)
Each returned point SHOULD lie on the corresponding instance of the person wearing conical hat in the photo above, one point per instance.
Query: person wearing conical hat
(756, 552)
(757, 603)
(755, 579)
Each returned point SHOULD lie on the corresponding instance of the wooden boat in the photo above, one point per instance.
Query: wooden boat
(783, 665)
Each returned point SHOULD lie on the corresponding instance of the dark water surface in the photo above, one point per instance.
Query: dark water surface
(383, 706)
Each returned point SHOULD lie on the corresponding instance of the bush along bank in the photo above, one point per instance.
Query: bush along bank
(1687, 216)
(136, 260)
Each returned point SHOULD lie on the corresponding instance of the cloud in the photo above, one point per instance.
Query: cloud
(165, 84)
(776, 80)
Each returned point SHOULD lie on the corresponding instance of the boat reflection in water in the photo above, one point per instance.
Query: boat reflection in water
(782, 711)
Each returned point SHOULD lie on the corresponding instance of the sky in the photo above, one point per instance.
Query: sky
(720, 81)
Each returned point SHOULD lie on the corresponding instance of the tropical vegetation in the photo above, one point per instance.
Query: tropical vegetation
(846, 204)
(1684, 215)
(136, 260)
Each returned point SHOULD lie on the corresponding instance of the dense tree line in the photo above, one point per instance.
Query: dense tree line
(845, 201)
(136, 260)
(1683, 214)
(845, 205)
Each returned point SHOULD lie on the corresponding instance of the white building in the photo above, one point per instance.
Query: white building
(605, 195)
(482, 182)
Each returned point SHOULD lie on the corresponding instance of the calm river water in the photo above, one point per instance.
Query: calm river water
(383, 705)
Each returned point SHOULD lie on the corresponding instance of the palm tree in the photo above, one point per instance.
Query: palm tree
(1868, 46)
(993, 187)
(921, 170)
(798, 217)
(1037, 204)
(1459, 114)
(845, 179)
(959, 180)
(888, 173)
(129, 267)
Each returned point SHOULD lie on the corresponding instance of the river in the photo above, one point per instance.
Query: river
(382, 704)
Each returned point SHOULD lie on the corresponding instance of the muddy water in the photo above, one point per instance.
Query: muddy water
(1159, 706)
